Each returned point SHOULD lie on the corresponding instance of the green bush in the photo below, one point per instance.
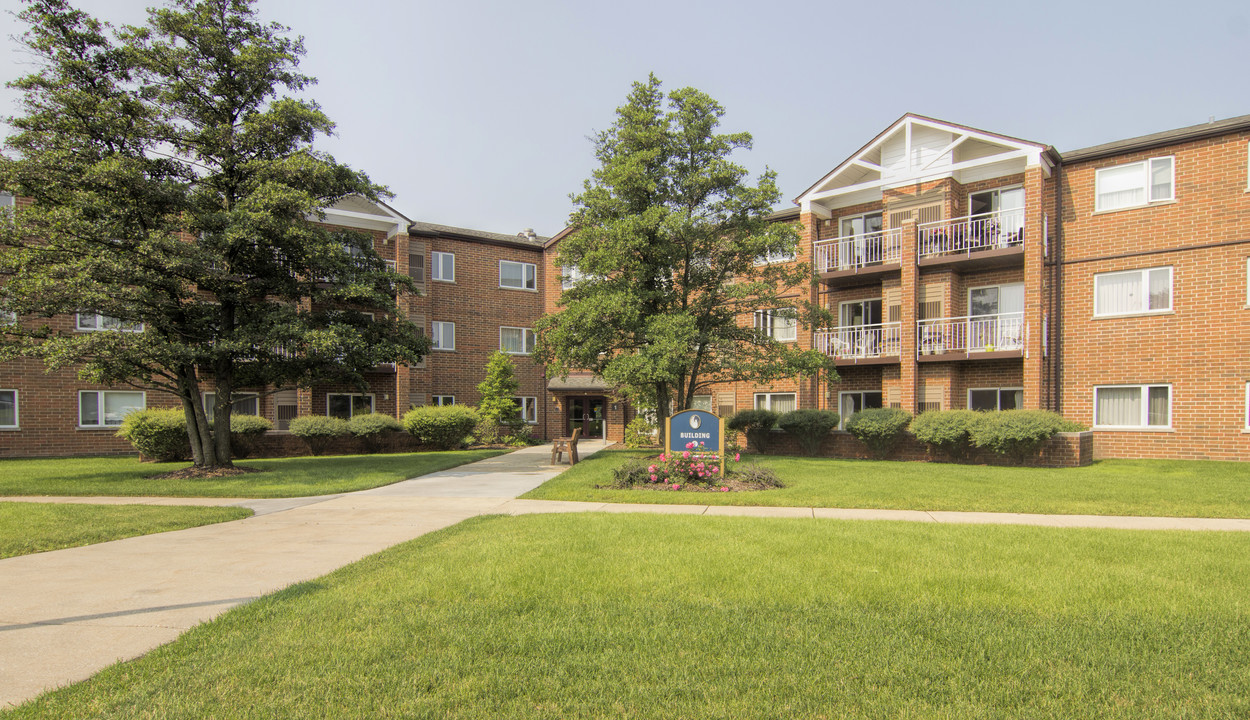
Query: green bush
(443, 427)
(1019, 434)
(630, 473)
(949, 431)
(318, 431)
(160, 435)
(370, 428)
(879, 428)
(639, 433)
(244, 430)
(809, 427)
(755, 424)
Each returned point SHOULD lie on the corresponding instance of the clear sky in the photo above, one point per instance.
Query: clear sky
(477, 113)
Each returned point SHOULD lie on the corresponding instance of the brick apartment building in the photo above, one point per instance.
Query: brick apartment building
(966, 269)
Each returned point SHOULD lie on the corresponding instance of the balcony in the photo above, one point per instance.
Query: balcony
(859, 255)
(980, 337)
(861, 344)
(988, 240)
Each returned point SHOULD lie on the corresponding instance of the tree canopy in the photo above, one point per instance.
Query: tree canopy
(669, 258)
(175, 187)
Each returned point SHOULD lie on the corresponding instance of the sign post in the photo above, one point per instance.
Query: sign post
(700, 427)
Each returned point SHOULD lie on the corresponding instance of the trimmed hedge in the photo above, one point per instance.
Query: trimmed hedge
(809, 427)
(443, 427)
(318, 431)
(879, 428)
(244, 429)
(949, 431)
(755, 424)
(371, 427)
(1019, 434)
(157, 434)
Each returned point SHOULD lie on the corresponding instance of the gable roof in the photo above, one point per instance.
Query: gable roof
(424, 229)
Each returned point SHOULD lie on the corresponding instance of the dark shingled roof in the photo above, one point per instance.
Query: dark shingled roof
(424, 229)
(1167, 137)
(578, 382)
(784, 215)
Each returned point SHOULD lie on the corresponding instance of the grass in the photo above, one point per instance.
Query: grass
(1109, 487)
(38, 527)
(599, 615)
(283, 477)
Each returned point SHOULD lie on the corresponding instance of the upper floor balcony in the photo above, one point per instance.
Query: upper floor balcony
(1004, 335)
(859, 255)
(862, 344)
(984, 240)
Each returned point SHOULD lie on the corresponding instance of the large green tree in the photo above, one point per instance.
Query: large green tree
(174, 183)
(668, 244)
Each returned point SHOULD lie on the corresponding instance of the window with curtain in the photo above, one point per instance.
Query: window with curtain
(777, 402)
(1129, 406)
(1134, 184)
(776, 324)
(516, 341)
(105, 408)
(1133, 292)
(850, 403)
(8, 408)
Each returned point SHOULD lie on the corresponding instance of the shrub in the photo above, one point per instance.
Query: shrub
(639, 433)
(370, 428)
(809, 427)
(753, 474)
(878, 428)
(244, 430)
(755, 424)
(498, 406)
(1019, 434)
(318, 431)
(949, 431)
(443, 427)
(157, 434)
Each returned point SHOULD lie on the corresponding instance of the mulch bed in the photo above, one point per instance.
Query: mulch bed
(194, 473)
(730, 485)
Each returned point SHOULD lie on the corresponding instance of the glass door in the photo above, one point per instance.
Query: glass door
(996, 317)
(587, 413)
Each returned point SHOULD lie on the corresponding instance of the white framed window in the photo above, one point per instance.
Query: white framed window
(777, 402)
(243, 404)
(8, 410)
(570, 276)
(416, 267)
(7, 317)
(528, 406)
(106, 408)
(1133, 292)
(516, 341)
(1246, 417)
(441, 400)
(1133, 406)
(443, 266)
(443, 335)
(518, 275)
(346, 405)
(702, 402)
(1247, 285)
(776, 257)
(852, 402)
(7, 202)
(778, 324)
(1135, 184)
(95, 322)
(995, 398)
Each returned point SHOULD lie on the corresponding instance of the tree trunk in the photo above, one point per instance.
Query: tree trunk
(224, 376)
(197, 421)
(661, 413)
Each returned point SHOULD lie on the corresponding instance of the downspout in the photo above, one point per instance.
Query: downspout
(1056, 297)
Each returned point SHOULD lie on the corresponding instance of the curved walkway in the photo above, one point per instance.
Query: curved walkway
(66, 614)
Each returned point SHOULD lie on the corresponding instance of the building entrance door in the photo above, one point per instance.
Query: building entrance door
(587, 413)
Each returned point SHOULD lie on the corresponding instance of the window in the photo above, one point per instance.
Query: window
(243, 404)
(776, 325)
(443, 335)
(528, 407)
(8, 409)
(106, 408)
(777, 402)
(1133, 406)
(1133, 292)
(858, 225)
(441, 400)
(518, 275)
(777, 256)
(7, 317)
(92, 322)
(14, 317)
(1135, 184)
(516, 341)
(1247, 405)
(7, 203)
(345, 405)
(850, 403)
(444, 266)
(702, 402)
(416, 267)
(995, 398)
(570, 276)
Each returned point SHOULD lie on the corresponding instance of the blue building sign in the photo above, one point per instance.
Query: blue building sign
(704, 429)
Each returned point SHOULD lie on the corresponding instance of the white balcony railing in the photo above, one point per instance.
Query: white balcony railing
(855, 252)
(857, 342)
(972, 334)
(989, 231)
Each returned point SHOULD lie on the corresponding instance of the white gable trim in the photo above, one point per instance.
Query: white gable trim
(385, 219)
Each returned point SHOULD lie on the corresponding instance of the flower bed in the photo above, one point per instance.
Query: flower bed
(694, 469)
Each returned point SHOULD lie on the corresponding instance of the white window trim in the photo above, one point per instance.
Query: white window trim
(234, 398)
(1145, 416)
(373, 402)
(841, 419)
(1000, 286)
(1146, 164)
(1248, 281)
(526, 333)
(100, 407)
(570, 276)
(771, 395)
(532, 268)
(1145, 276)
(998, 399)
(842, 218)
(440, 335)
(99, 321)
(772, 331)
(434, 398)
(437, 266)
(8, 317)
(530, 401)
(1245, 417)
(17, 410)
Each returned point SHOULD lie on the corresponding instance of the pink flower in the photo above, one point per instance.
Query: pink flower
(737, 457)
(689, 445)
(653, 478)
(724, 489)
(676, 486)
(661, 457)
(686, 455)
(715, 469)
(651, 469)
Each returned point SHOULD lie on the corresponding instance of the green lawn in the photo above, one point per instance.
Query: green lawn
(37, 527)
(1110, 487)
(598, 615)
(283, 477)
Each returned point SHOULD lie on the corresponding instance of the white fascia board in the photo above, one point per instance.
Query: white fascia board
(911, 180)
(986, 137)
(819, 211)
(362, 221)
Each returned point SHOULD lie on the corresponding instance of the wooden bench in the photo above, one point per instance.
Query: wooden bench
(565, 445)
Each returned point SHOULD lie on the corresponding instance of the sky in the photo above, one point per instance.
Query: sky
(480, 114)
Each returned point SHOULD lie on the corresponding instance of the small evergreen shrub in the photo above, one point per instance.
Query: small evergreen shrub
(948, 431)
(639, 433)
(499, 415)
(244, 431)
(443, 427)
(755, 424)
(370, 428)
(879, 428)
(318, 431)
(160, 435)
(809, 427)
(1019, 434)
